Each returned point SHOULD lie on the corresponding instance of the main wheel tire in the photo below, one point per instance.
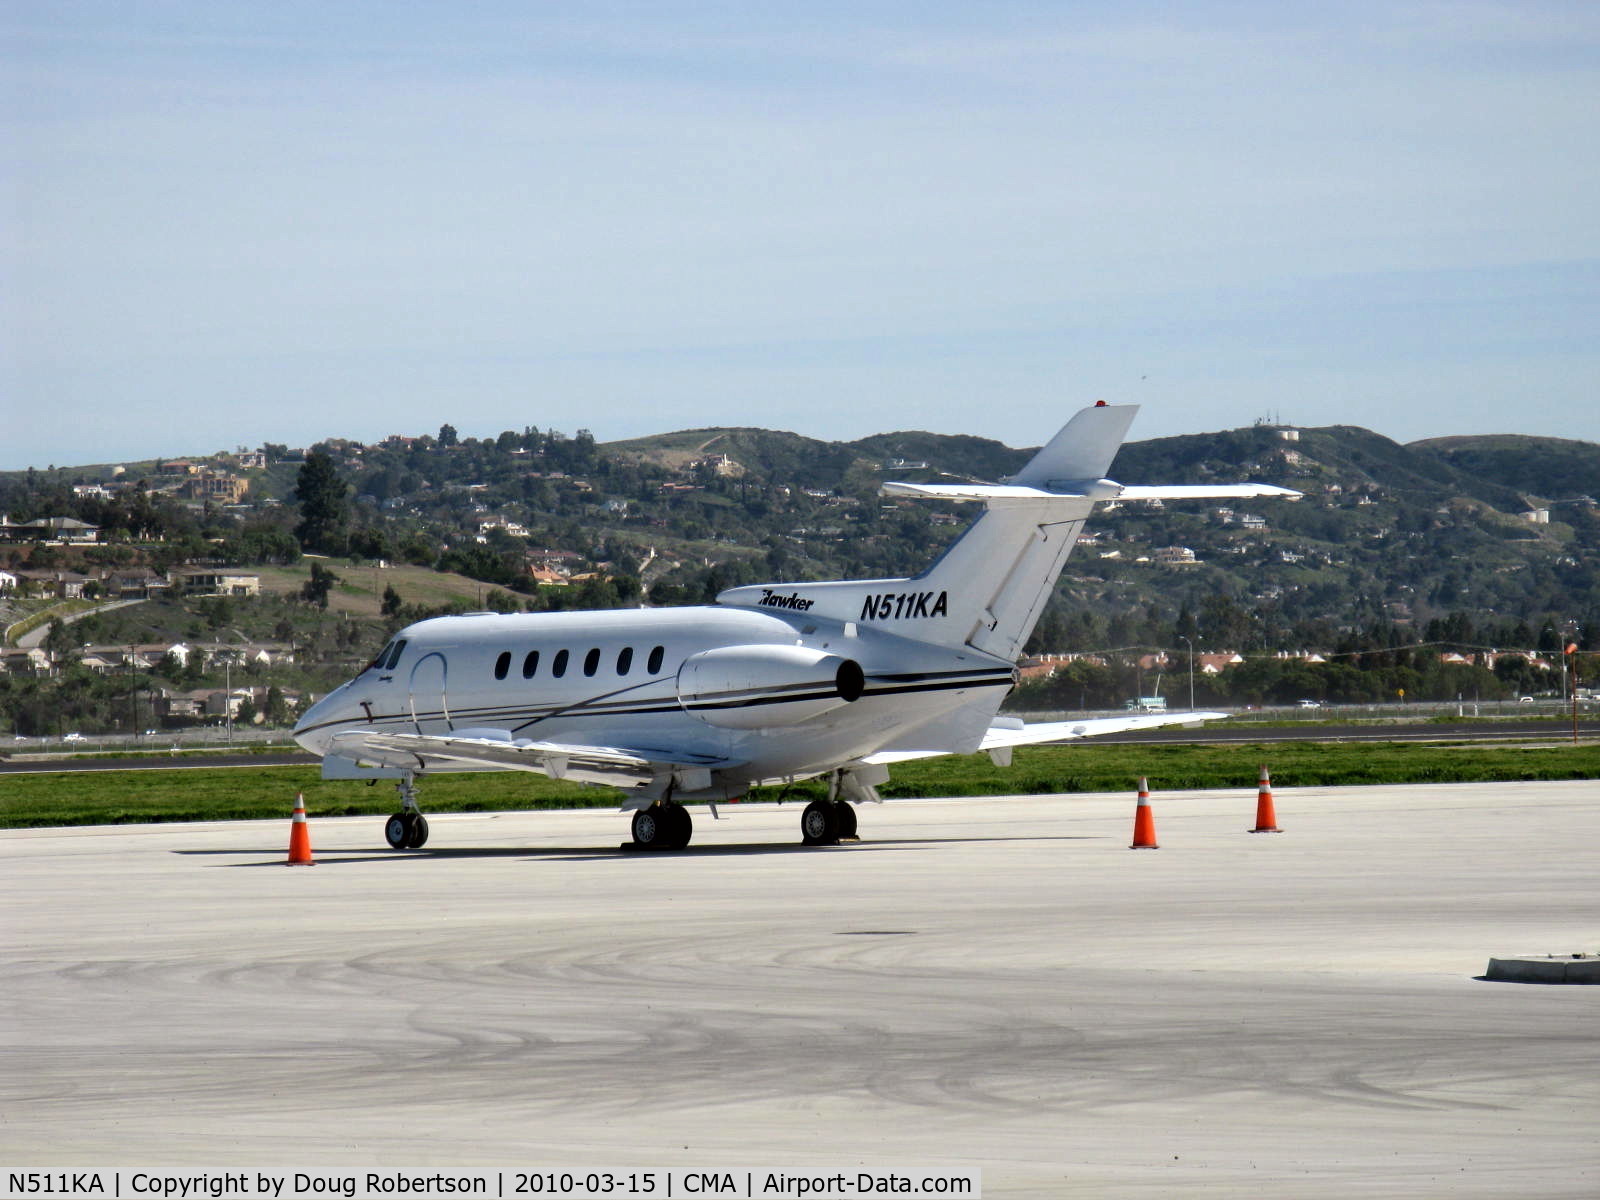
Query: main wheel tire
(680, 827)
(846, 813)
(819, 824)
(419, 832)
(397, 831)
(649, 829)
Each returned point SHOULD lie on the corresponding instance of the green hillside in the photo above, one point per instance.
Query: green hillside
(1543, 468)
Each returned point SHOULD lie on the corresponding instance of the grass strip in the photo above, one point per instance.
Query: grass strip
(247, 792)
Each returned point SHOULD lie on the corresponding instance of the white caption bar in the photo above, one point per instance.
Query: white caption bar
(664, 1184)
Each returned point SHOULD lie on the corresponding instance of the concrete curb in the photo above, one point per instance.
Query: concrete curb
(1549, 968)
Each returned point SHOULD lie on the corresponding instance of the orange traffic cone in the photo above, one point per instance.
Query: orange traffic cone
(1144, 823)
(299, 837)
(1266, 818)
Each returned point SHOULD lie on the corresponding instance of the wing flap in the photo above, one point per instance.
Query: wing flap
(480, 750)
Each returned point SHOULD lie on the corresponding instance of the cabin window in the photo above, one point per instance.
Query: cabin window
(502, 664)
(377, 664)
(625, 660)
(558, 665)
(654, 663)
(394, 655)
(530, 664)
(591, 661)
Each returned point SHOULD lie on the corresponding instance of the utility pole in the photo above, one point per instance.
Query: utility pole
(1190, 644)
(1571, 673)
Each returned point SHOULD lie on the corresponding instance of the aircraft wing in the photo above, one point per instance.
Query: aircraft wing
(1002, 736)
(496, 749)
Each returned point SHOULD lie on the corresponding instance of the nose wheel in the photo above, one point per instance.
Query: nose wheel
(406, 831)
(408, 828)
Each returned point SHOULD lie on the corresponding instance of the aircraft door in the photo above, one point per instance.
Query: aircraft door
(430, 709)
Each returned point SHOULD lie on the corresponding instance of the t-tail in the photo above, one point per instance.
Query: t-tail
(989, 588)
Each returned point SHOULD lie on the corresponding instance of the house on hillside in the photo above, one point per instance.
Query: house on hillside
(211, 582)
(1175, 556)
(134, 583)
(64, 585)
(33, 661)
(218, 486)
(248, 654)
(66, 530)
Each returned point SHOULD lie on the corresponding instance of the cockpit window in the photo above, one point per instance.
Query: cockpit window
(388, 656)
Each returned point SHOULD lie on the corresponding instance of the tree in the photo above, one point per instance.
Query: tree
(277, 711)
(324, 505)
(57, 640)
(315, 590)
(391, 601)
(447, 435)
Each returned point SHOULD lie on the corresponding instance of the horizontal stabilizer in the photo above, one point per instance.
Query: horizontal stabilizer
(973, 491)
(1207, 491)
(1004, 734)
(1103, 489)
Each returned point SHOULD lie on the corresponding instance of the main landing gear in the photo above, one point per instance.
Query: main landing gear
(827, 822)
(665, 825)
(408, 828)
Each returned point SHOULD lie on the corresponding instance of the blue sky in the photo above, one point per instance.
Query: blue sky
(227, 223)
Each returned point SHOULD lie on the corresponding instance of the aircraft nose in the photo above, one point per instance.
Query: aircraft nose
(311, 730)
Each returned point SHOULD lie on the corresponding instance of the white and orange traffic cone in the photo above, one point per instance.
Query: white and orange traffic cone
(299, 837)
(1144, 822)
(1266, 818)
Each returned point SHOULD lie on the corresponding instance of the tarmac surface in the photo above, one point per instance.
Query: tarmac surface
(997, 985)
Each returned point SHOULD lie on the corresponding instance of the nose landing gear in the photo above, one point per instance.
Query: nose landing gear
(408, 828)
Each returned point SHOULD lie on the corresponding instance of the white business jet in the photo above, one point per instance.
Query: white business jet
(771, 684)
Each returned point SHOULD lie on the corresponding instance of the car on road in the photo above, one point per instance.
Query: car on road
(73, 737)
(1308, 704)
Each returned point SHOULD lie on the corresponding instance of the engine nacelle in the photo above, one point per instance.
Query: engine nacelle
(766, 687)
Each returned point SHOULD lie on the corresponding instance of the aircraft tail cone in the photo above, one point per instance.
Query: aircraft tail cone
(299, 837)
(1266, 817)
(1144, 822)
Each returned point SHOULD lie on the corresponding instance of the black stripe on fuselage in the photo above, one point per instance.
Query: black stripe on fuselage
(899, 684)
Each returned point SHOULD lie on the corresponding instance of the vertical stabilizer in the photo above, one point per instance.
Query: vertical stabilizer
(988, 589)
(1082, 452)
